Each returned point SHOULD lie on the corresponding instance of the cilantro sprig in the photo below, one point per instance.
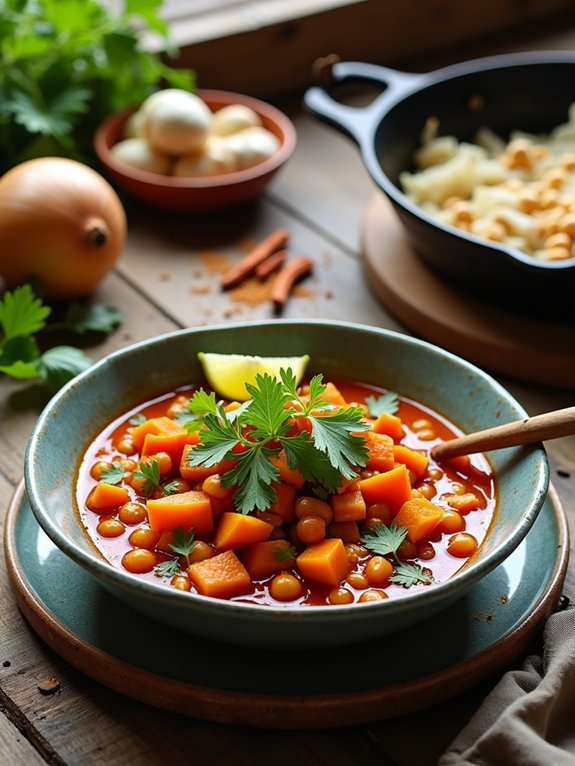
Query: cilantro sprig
(386, 403)
(385, 541)
(182, 544)
(23, 317)
(264, 425)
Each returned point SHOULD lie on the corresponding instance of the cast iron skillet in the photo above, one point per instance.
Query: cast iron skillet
(525, 91)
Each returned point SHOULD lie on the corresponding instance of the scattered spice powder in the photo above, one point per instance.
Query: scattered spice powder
(252, 291)
(201, 289)
(215, 263)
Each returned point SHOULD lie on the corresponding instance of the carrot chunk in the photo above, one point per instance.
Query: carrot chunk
(186, 509)
(105, 496)
(415, 461)
(324, 562)
(390, 425)
(221, 576)
(420, 517)
(348, 531)
(333, 394)
(380, 451)
(268, 557)
(236, 530)
(172, 444)
(391, 487)
(349, 505)
(283, 505)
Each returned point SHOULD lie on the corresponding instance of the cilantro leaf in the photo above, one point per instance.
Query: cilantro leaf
(388, 403)
(19, 358)
(202, 403)
(171, 487)
(216, 443)
(384, 540)
(334, 435)
(314, 466)
(138, 419)
(167, 568)
(183, 542)
(22, 313)
(97, 318)
(112, 475)
(267, 413)
(149, 474)
(408, 574)
(60, 364)
(253, 474)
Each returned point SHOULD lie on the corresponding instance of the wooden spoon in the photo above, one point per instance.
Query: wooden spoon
(550, 425)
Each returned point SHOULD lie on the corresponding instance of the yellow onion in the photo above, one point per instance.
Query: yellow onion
(61, 223)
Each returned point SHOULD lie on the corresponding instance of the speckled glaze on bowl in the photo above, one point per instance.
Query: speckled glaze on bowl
(202, 193)
(414, 368)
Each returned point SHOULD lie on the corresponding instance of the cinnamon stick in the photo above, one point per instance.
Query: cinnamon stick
(248, 264)
(287, 278)
(273, 262)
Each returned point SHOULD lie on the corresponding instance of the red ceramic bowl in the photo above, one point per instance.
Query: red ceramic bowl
(201, 193)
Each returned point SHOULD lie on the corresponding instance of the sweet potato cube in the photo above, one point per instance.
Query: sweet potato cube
(106, 496)
(380, 451)
(290, 475)
(391, 487)
(349, 505)
(201, 472)
(420, 517)
(348, 531)
(172, 444)
(333, 394)
(237, 530)
(283, 505)
(390, 425)
(222, 576)
(325, 562)
(415, 461)
(162, 425)
(268, 557)
(185, 510)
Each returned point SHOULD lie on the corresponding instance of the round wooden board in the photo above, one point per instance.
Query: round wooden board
(505, 343)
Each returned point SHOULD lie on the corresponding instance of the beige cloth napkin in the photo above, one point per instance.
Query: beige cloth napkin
(529, 717)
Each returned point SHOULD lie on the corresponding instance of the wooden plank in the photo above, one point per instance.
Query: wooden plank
(14, 748)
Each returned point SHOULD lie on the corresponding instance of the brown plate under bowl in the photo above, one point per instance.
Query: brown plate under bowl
(201, 193)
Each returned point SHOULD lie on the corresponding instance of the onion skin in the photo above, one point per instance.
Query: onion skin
(61, 223)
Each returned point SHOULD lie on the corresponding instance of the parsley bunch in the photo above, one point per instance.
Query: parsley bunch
(23, 316)
(263, 426)
(68, 64)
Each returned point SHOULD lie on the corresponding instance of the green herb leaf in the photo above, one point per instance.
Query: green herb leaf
(253, 475)
(112, 475)
(171, 487)
(377, 405)
(183, 543)
(216, 443)
(137, 420)
(384, 540)
(408, 574)
(60, 364)
(19, 358)
(168, 568)
(202, 404)
(333, 434)
(21, 313)
(97, 318)
(149, 474)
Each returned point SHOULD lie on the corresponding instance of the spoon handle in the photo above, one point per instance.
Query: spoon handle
(550, 425)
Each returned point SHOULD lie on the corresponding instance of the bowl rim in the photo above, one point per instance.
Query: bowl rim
(190, 183)
(158, 592)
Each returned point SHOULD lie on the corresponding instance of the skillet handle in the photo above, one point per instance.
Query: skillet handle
(359, 122)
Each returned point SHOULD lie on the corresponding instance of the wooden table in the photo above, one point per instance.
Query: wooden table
(168, 279)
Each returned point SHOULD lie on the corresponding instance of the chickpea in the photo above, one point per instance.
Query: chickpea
(201, 551)
(340, 596)
(179, 486)
(126, 445)
(435, 474)
(355, 553)
(372, 595)
(462, 545)
(313, 506)
(285, 587)
(128, 464)
(110, 527)
(378, 570)
(180, 582)
(270, 518)
(358, 581)
(144, 537)
(380, 512)
(425, 551)
(310, 529)
(163, 460)
(426, 435)
(212, 486)
(98, 467)
(407, 550)
(427, 491)
(132, 513)
(139, 560)
(451, 522)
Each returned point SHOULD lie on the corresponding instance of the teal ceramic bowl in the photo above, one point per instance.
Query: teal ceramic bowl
(467, 396)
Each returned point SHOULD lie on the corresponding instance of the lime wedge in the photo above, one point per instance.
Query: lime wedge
(228, 374)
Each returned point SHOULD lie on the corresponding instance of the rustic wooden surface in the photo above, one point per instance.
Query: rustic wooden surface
(167, 279)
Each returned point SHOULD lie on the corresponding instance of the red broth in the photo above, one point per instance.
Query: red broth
(464, 489)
